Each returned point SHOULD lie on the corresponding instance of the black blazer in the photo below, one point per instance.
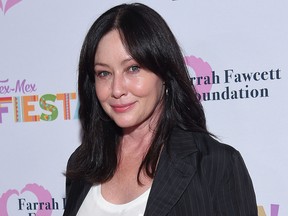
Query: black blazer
(198, 176)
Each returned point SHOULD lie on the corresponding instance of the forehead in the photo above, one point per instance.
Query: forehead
(111, 47)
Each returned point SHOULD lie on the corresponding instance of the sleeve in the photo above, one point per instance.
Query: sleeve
(236, 193)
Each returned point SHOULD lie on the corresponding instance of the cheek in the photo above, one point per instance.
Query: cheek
(101, 92)
(139, 88)
(146, 83)
(149, 88)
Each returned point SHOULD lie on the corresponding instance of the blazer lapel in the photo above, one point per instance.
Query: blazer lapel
(174, 172)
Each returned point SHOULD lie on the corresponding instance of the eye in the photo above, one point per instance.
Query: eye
(134, 68)
(101, 74)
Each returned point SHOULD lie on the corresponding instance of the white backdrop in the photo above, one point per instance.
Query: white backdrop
(244, 43)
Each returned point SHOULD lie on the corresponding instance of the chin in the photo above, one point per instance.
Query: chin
(123, 123)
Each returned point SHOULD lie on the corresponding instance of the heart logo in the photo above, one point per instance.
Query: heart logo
(40, 192)
(200, 68)
(8, 5)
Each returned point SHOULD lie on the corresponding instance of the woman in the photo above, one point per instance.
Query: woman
(145, 146)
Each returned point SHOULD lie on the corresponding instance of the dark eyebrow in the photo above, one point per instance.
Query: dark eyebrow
(100, 64)
(122, 63)
(127, 60)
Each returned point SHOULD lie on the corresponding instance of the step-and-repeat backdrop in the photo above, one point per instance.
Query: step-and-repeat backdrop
(237, 54)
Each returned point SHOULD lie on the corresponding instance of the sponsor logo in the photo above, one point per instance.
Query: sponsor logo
(27, 106)
(229, 84)
(32, 200)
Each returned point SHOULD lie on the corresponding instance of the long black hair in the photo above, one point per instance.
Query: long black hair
(149, 40)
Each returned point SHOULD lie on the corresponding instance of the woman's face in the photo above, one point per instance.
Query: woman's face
(129, 94)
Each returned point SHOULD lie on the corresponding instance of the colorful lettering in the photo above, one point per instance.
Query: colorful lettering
(4, 109)
(48, 107)
(274, 210)
(66, 97)
(25, 107)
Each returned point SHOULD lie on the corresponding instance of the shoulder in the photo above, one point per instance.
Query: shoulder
(222, 167)
(214, 159)
(212, 149)
(72, 161)
(71, 167)
(206, 145)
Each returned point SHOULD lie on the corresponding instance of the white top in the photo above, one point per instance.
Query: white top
(94, 204)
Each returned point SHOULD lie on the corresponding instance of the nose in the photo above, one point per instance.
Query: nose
(118, 86)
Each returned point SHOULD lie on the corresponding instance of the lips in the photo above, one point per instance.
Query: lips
(121, 108)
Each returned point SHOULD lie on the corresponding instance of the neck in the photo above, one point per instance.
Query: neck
(136, 142)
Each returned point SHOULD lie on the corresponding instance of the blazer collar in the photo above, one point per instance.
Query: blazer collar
(174, 172)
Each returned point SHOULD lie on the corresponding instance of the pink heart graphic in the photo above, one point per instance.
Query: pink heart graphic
(9, 4)
(200, 68)
(41, 193)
